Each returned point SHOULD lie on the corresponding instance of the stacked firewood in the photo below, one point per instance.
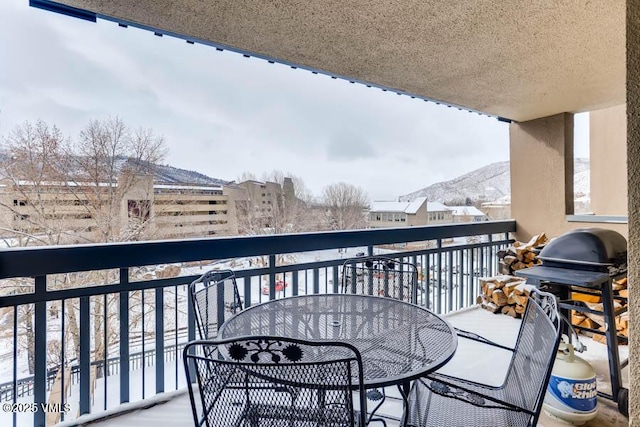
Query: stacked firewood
(596, 321)
(520, 255)
(504, 294)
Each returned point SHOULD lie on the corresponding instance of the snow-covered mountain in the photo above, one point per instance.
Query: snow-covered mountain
(165, 174)
(489, 183)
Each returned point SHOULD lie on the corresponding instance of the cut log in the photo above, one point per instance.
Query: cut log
(586, 297)
(617, 287)
(509, 310)
(520, 300)
(499, 298)
(491, 307)
(577, 318)
(588, 323)
(622, 281)
(523, 289)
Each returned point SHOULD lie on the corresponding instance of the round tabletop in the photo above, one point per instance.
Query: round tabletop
(398, 341)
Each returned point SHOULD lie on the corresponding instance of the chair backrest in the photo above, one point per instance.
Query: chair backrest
(243, 381)
(215, 298)
(381, 276)
(534, 354)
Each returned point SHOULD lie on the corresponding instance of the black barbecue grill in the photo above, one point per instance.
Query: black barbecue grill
(587, 261)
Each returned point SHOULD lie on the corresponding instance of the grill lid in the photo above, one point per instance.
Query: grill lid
(590, 246)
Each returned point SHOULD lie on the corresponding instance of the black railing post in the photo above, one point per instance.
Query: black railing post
(40, 351)
(316, 281)
(247, 291)
(191, 334)
(294, 283)
(124, 336)
(438, 304)
(14, 385)
(450, 282)
(159, 309)
(85, 357)
(272, 276)
(490, 255)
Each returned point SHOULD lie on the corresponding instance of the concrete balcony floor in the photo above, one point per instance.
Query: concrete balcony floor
(489, 367)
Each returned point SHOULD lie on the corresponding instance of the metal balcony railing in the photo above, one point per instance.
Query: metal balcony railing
(79, 306)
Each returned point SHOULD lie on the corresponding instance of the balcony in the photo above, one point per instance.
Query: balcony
(62, 295)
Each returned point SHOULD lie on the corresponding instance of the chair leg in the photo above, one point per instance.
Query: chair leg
(376, 395)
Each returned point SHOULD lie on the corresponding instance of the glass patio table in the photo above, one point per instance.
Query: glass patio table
(398, 341)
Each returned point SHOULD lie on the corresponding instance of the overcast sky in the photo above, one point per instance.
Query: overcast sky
(223, 114)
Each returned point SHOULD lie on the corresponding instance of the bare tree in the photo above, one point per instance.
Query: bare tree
(108, 162)
(56, 191)
(345, 206)
(285, 210)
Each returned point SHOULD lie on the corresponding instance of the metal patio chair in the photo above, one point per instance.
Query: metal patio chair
(440, 400)
(380, 276)
(274, 381)
(215, 298)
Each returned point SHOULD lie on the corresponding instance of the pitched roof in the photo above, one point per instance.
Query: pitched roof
(437, 207)
(466, 210)
(393, 206)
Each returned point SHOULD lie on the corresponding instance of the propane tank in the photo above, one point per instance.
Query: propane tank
(571, 393)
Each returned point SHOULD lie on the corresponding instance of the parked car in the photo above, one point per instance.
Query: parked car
(280, 285)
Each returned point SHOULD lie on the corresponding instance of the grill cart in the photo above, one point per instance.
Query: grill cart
(587, 261)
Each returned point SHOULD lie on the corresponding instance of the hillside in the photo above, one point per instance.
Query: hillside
(488, 183)
(163, 174)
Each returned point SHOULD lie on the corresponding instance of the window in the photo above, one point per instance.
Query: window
(139, 209)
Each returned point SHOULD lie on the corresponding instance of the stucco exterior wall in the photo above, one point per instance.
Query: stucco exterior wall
(542, 178)
(541, 162)
(608, 160)
(633, 177)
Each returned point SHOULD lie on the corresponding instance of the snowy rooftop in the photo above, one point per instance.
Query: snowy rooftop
(393, 206)
(466, 210)
(437, 207)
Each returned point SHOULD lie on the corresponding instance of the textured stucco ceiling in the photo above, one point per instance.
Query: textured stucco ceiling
(515, 59)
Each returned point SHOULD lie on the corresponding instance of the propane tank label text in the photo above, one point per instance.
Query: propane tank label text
(581, 395)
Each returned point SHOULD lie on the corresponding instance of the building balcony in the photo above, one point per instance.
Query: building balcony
(58, 349)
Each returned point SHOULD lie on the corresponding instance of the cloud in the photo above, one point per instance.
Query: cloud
(223, 114)
(348, 145)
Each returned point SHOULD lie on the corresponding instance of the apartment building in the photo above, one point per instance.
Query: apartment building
(191, 211)
(261, 204)
(467, 214)
(384, 214)
(136, 207)
(437, 213)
